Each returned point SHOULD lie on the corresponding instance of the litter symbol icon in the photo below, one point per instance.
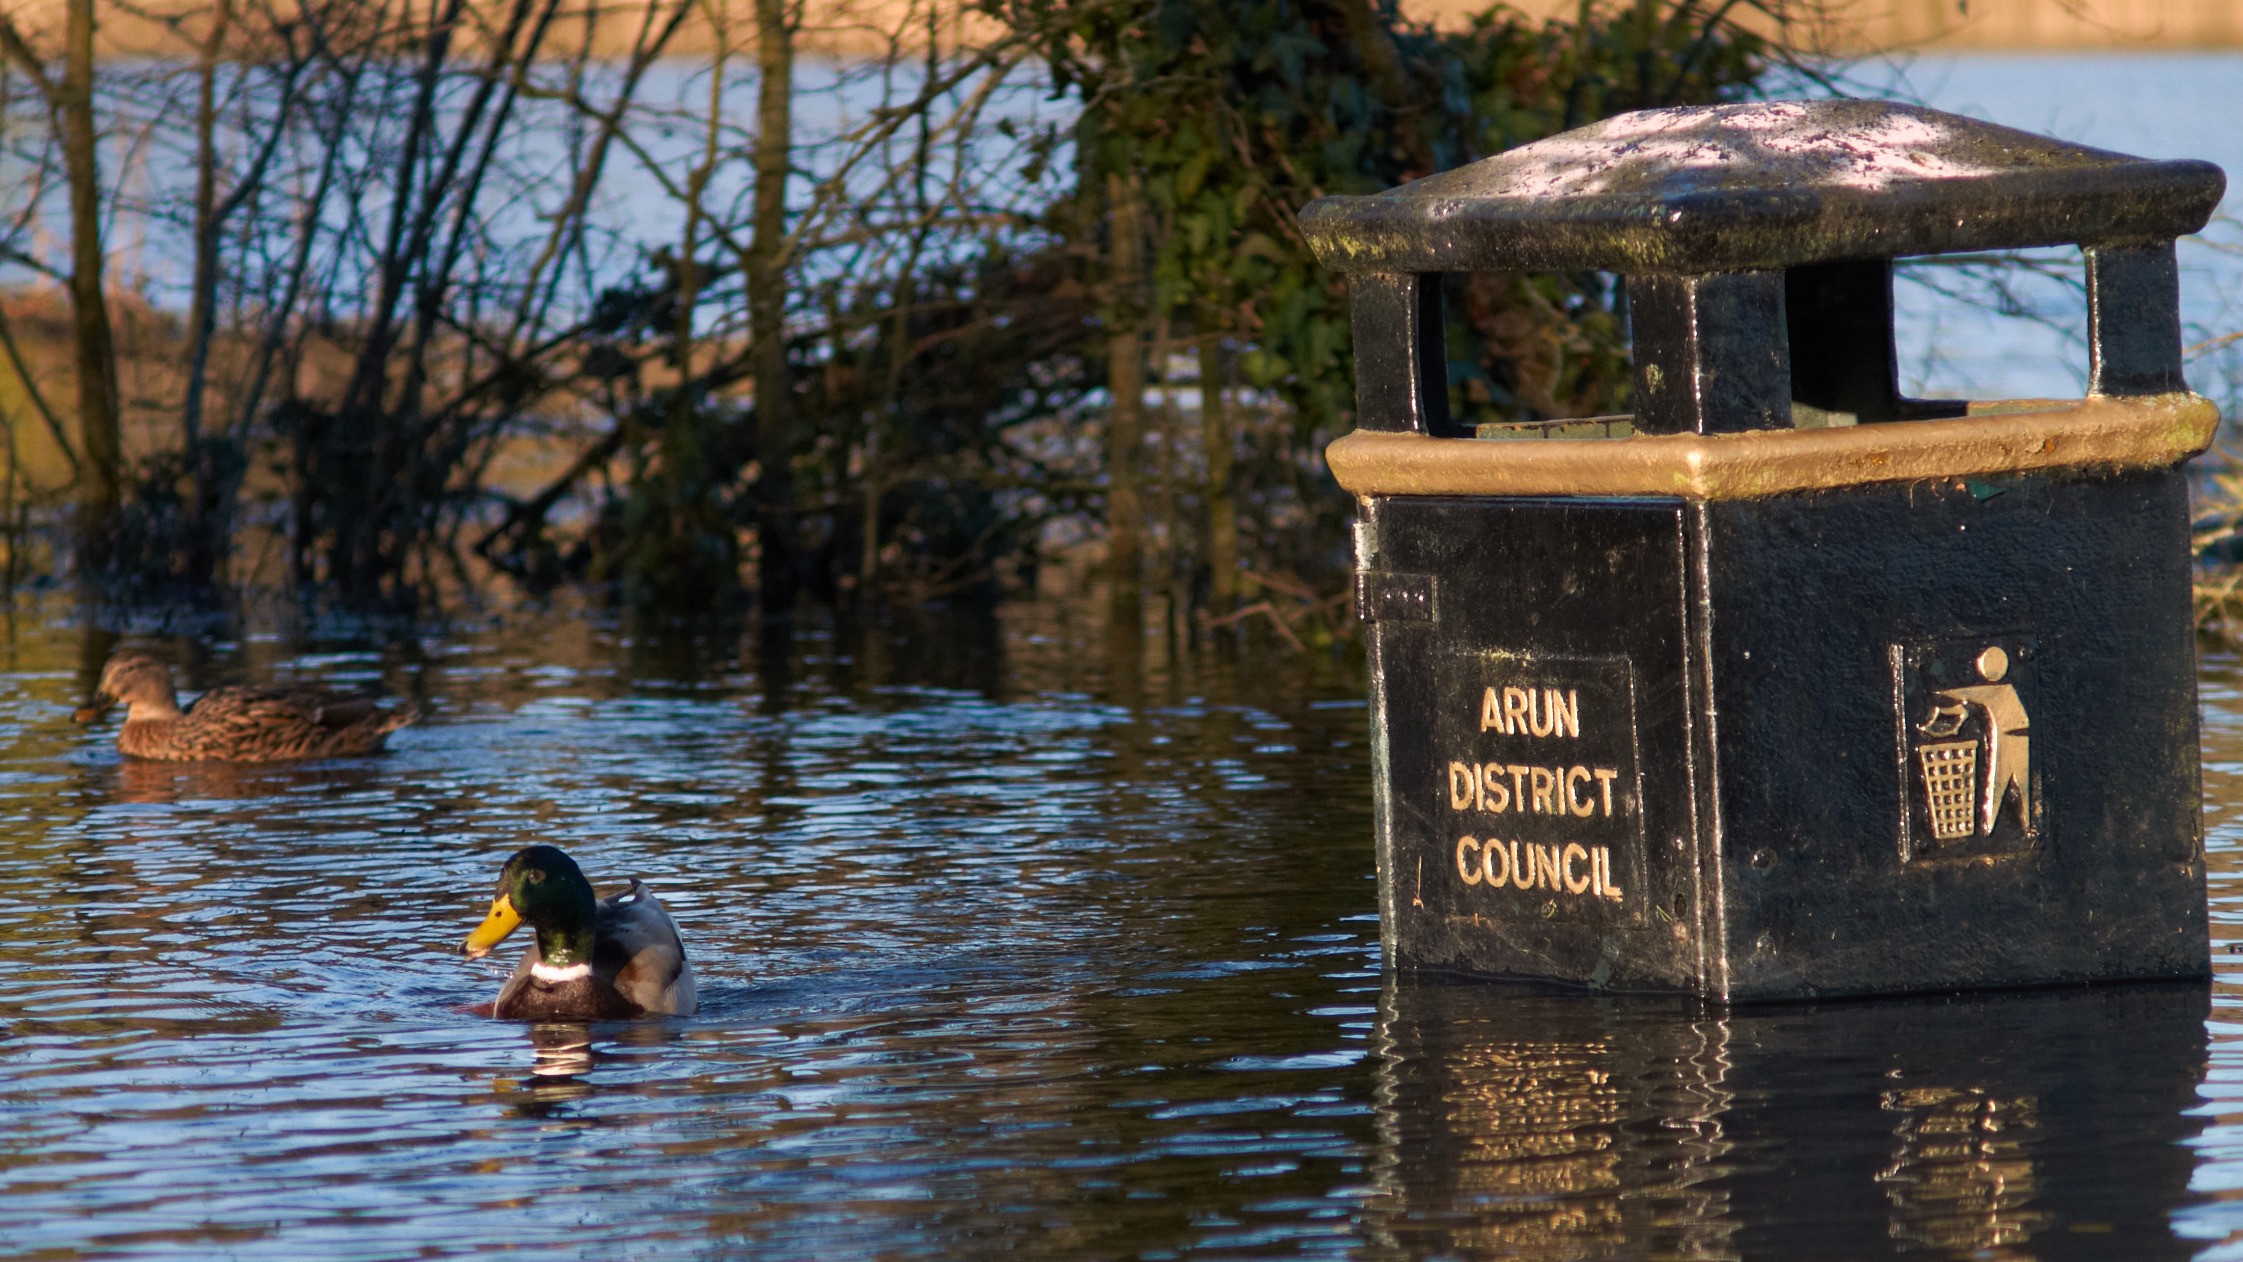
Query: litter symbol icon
(1968, 747)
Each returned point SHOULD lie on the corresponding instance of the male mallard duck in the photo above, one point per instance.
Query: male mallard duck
(595, 959)
(236, 724)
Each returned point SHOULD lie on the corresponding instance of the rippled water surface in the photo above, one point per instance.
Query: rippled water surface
(999, 953)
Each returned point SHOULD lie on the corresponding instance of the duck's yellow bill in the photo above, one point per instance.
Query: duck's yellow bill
(503, 920)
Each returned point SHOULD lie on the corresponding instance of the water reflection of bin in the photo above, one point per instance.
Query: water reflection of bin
(1525, 1125)
(1653, 706)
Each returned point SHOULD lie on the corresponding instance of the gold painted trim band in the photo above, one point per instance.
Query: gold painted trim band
(2148, 431)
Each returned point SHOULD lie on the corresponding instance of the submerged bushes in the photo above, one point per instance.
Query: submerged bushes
(512, 285)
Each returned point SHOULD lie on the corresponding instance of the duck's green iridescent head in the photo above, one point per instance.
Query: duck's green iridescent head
(543, 888)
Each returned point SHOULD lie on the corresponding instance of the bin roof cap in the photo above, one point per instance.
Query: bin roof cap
(1763, 185)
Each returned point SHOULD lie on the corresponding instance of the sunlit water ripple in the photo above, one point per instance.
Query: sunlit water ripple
(975, 968)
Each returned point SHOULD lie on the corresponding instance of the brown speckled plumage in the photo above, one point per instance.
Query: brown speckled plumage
(239, 724)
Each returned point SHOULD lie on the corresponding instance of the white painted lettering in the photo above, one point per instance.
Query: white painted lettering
(1492, 789)
(1569, 868)
(1538, 717)
(1514, 710)
(1578, 805)
(1544, 781)
(1565, 712)
(1491, 714)
(1574, 853)
(1604, 781)
(1460, 795)
(1495, 864)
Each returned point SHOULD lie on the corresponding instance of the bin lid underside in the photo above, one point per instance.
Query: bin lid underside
(1760, 186)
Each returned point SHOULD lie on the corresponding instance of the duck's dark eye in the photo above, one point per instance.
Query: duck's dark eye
(534, 877)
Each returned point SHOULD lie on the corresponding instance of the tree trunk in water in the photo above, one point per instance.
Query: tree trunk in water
(1222, 511)
(687, 555)
(89, 309)
(899, 351)
(1125, 415)
(202, 311)
(767, 307)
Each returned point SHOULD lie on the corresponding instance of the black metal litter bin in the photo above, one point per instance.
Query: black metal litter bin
(1785, 685)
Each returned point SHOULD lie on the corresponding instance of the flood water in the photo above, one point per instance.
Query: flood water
(999, 951)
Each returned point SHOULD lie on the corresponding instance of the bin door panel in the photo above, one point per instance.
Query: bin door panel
(1535, 794)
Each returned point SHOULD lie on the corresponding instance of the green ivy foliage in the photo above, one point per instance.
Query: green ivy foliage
(1229, 115)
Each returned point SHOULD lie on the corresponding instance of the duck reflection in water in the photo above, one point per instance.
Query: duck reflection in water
(561, 1051)
(1516, 1123)
(561, 1060)
(145, 782)
(564, 1056)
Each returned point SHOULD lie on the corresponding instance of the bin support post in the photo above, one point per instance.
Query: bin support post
(2133, 320)
(1401, 367)
(1712, 353)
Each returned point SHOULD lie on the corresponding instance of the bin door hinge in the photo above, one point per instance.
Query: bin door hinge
(1383, 596)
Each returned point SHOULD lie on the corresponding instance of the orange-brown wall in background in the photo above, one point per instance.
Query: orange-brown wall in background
(1877, 25)
(866, 26)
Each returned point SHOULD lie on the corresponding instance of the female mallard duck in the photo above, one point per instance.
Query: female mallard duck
(594, 959)
(236, 724)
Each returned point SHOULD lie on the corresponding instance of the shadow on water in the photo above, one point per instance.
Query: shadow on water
(2045, 1124)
